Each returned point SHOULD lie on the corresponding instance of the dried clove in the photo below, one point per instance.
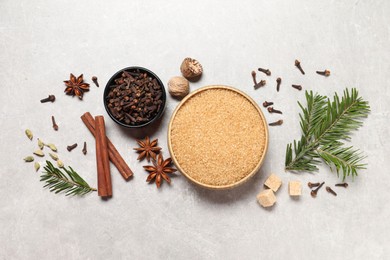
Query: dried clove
(71, 147)
(266, 104)
(95, 80)
(272, 110)
(279, 122)
(328, 189)
(257, 85)
(50, 98)
(262, 83)
(345, 185)
(314, 192)
(299, 87)
(266, 71)
(85, 148)
(325, 73)
(278, 81)
(55, 126)
(298, 65)
(312, 185)
(253, 73)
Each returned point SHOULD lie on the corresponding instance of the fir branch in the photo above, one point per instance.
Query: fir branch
(342, 158)
(324, 125)
(69, 182)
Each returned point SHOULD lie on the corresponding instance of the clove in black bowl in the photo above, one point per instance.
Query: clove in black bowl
(134, 97)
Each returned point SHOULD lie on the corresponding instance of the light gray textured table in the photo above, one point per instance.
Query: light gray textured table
(41, 42)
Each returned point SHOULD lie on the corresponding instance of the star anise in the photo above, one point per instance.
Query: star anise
(76, 86)
(147, 149)
(160, 170)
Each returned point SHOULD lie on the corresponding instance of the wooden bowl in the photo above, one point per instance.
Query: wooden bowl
(177, 124)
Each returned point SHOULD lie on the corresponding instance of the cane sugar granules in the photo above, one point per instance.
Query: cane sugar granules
(218, 137)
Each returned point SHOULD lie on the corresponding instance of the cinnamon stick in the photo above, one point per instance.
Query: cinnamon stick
(102, 161)
(113, 154)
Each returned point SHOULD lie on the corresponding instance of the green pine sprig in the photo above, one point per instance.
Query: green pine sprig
(325, 126)
(69, 182)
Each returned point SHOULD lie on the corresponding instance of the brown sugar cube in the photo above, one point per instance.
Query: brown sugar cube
(273, 182)
(295, 188)
(266, 198)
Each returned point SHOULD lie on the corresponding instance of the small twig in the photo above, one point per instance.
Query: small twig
(267, 104)
(279, 122)
(50, 98)
(55, 126)
(298, 65)
(266, 71)
(328, 189)
(85, 148)
(272, 110)
(95, 80)
(278, 81)
(71, 147)
(299, 87)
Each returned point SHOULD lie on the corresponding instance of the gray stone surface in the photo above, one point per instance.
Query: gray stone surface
(41, 42)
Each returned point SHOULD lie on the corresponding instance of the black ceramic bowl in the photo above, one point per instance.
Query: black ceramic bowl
(156, 115)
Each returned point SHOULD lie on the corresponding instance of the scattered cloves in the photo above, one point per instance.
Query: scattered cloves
(299, 87)
(55, 126)
(95, 80)
(325, 73)
(345, 185)
(279, 122)
(314, 192)
(266, 71)
(71, 147)
(298, 65)
(278, 81)
(257, 85)
(267, 104)
(328, 189)
(312, 185)
(85, 148)
(50, 98)
(272, 110)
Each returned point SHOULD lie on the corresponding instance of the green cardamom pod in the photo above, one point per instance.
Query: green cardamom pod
(53, 156)
(52, 147)
(29, 134)
(37, 166)
(40, 144)
(39, 153)
(60, 164)
(29, 159)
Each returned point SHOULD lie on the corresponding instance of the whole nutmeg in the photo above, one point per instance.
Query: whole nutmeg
(191, 68)
(178, 87)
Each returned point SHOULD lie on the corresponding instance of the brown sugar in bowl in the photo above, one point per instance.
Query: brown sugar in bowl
(218, 137)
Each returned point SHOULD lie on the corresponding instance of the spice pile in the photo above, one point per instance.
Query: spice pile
(135, 98)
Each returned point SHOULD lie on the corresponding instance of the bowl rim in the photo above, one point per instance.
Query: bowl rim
(259, 164)
(151, 73)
